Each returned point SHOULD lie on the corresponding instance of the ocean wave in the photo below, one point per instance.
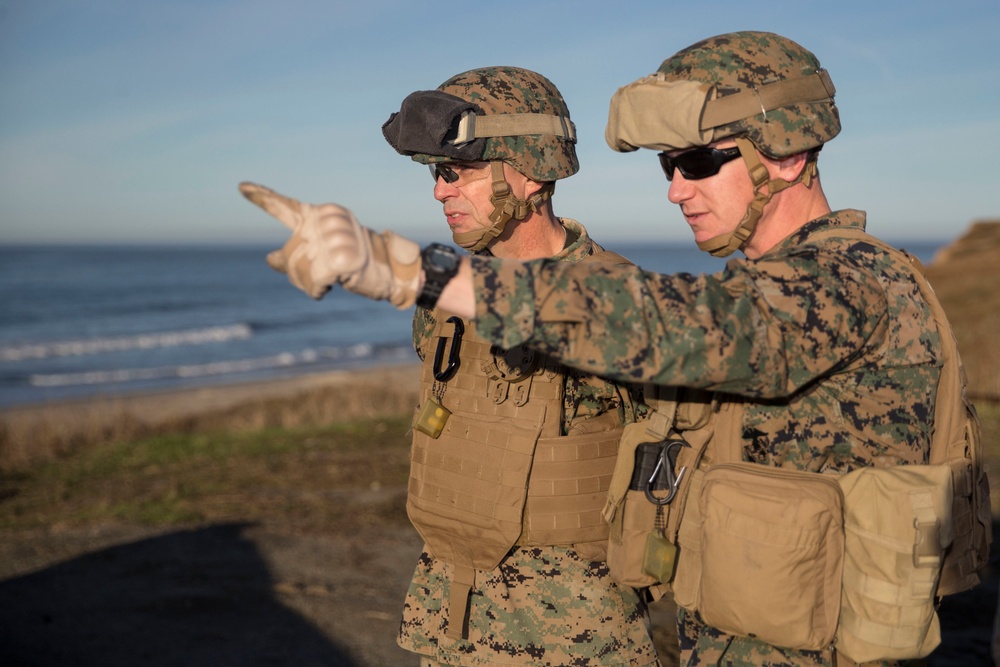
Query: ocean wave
(145, 341)
(361, 351)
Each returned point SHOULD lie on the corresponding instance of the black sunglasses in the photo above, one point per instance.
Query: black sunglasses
(698, 162)
(443, 171)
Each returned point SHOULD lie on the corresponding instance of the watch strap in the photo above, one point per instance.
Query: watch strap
(435, 277)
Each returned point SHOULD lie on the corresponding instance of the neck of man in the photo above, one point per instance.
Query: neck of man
(787, 212)
(538, 236)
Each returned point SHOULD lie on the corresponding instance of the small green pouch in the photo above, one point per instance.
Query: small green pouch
(432, 418)
(660, 559)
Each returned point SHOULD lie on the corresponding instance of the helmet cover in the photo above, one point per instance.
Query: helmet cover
(490, 91)
(781, 98)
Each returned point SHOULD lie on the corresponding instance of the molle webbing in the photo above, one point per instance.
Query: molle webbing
(569, 481)
(502, 464)
(470, 391)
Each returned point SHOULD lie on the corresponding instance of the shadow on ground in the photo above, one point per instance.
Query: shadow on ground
(234, 594)
(199, 598)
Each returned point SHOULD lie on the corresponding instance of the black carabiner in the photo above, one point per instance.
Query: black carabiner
(453, 361)
(665, 463)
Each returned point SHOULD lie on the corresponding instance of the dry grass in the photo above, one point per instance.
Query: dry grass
(296, 476)
(43, 433)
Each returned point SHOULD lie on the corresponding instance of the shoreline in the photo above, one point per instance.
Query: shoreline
(36, 431)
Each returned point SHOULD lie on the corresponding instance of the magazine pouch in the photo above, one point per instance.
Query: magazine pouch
(897, 526)
(634, 519)
(771, 554)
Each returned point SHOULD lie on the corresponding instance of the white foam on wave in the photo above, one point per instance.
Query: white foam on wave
(215, 368)
(146, 341)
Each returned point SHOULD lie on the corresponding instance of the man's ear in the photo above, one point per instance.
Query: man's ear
(531, 187)
(790, 167)
(514, 177)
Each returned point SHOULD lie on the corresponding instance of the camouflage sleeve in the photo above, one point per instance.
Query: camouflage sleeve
(423, 330)
(761, 328)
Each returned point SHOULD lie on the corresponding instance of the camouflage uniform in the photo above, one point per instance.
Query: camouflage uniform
(544, 605)
(828, 343)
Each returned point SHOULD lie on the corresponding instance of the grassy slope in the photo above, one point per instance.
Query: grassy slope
(289, 475)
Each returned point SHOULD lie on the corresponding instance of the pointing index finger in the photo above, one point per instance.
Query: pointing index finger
(285, 209)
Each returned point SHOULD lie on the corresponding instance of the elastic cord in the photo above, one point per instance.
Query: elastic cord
(506, 207)
(724, 245)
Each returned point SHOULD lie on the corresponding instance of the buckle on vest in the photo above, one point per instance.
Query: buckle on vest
(514, 365)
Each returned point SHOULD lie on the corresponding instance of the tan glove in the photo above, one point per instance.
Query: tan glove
(328, 246)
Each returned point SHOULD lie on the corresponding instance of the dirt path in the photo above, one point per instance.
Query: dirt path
(227, 594)
(244, 594)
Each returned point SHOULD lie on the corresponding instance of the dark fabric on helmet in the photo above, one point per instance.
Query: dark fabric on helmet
(425, 122)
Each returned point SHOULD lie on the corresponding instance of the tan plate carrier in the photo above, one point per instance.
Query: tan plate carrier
(863, 555)
(500, 474)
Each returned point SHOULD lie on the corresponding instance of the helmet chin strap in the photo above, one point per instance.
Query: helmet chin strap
(724, 245)
(506, 207)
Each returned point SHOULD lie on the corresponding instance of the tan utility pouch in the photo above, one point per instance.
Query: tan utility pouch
(771, 554)
(632, 518)
(898, 525)
(626, 555)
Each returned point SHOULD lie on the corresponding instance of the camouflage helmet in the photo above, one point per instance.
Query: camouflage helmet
(493, 114)
(755, 84)
(537, 136)
(760, 89)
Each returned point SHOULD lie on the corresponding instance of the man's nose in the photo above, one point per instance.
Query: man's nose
(443, 189)
(680, 188)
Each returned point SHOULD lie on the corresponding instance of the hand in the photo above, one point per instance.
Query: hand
(328, 246)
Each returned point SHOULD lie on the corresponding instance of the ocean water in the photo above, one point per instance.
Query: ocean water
(80, 321)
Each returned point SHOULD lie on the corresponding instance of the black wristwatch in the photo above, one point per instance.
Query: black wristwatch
(440, 264)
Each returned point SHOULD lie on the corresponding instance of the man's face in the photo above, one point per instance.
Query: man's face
(466, 201)
(714, 205)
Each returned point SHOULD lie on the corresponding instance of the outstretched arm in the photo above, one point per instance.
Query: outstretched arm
(459, 297)
(328, 246)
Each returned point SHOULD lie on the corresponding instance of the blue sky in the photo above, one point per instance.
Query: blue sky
(129, 121)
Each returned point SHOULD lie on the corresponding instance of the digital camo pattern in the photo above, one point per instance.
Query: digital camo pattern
(502, 90)
(543, 605)
(585, 396)
(740, 61)
(547, 606)
(829, 341)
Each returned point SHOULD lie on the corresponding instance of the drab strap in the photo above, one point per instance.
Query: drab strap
(447, 330)
(816, 87)
(879, 634)
(458, 601)
(927, 541)
(517, 124)
(887, 592)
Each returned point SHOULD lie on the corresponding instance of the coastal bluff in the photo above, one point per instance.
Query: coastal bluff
(965, 275)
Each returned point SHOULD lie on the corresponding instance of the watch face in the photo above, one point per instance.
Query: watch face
(442, 258)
